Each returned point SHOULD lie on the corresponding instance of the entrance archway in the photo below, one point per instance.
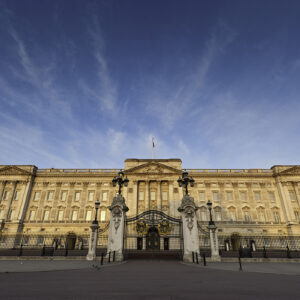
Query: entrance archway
(71, 241)
(235, 241)
(152, 239)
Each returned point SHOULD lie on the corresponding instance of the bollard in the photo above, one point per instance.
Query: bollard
(240, 263)
(102, 256)
(197, 261)
(265, 252)
(204, 260)
(288, 253)
(193, 257)
(43, 250)
(21, 250)
(109, 257)
(114, 256)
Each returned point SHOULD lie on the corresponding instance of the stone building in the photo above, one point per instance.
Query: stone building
(61, 201)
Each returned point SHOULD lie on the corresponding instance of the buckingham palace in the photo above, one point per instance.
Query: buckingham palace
(49, 203)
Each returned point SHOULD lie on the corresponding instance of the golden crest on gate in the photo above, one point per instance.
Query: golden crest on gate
(141, 228)
(164, 228)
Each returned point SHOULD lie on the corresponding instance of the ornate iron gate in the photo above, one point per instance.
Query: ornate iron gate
(153, 230)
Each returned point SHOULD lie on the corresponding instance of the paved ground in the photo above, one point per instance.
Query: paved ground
(151, 280)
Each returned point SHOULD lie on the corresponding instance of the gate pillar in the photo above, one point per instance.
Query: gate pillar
(214, 244)
(93, 242)
(188, 210)
(118, 211)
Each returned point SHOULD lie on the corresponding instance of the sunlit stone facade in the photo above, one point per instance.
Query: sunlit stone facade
(251, 201)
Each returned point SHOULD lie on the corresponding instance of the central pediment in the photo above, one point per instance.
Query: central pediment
(153, 168)
(13, 170)
(291, 171)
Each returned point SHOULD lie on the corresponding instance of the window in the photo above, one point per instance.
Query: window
(292, 195)
(297, 215)
(141, 195)
(272, 196)
(77, 196)
(232, 215)
(152, 195)
(91, 196)
(46, 215)
(36, 196)
(104, 196)
(74, 215)
(203, 215)
(164, 196)
(32, 215)
(5, 195)
(17, 194)
(50, 196)
(218, 215)
(102, 215)
(11, 215)
(247, 216)
(243, 196)
(63, 196)
(229, 196)
(201, 196)
(276, 217)
(60, 215)
(88, 216)
(216, 196)
(257, 196)
(2, 214)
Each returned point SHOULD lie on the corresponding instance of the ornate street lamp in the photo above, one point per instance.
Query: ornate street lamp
(185, 180)
(209, 204)
(120, 181)
(97, 205)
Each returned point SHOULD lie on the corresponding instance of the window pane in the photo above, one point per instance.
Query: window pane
(17, 193)
(102, 215)
(229, 196)
(164, 196)
(272, 196)
(74, 215)
(63, 196)
(152, 195)
(60, 215)
(50, 196)
(36, 196)
(292, 195)
(88, 215)
(104, 196)
(203, 216)
(91, 196)
(77, 196)
(141, 195)
(32, 215)
(257, 196)
(46, 215)
(201, 196)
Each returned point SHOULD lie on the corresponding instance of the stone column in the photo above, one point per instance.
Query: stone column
(11, 199)
(118, 211)
(2, 190)
(214, 244)
(159, 196)
(93, 241)
(188, 210)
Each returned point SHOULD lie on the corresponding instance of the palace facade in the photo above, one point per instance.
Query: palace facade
(59, 201)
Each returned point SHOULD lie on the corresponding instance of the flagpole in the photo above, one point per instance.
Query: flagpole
(152, 148)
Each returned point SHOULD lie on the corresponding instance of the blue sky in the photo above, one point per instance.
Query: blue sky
(86, 84)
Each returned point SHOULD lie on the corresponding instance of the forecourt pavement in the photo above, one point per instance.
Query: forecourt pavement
(151, 280)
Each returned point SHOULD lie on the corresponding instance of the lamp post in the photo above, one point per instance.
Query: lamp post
(185, 180)
(93, 235)
(97, 205)
(214, 244)
(120, 180)
(209, 205)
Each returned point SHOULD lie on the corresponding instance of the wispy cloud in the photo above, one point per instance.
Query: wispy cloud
(105, 92)
(168, 102)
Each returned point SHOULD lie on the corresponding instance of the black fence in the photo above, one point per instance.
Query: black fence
(254, 246)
